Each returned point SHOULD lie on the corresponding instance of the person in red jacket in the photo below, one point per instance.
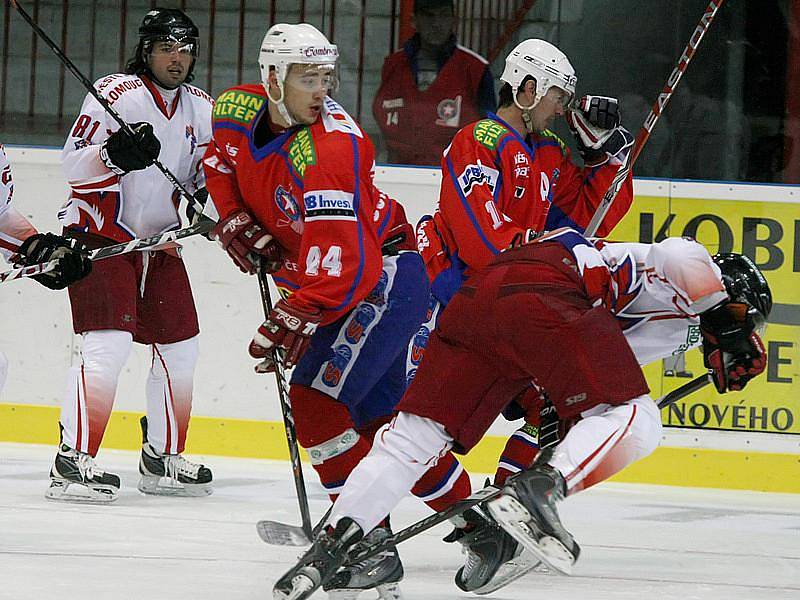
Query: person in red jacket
(430, 88)
(290, 174)
(509, 177)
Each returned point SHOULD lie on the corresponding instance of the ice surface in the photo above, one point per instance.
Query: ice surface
(639, 542)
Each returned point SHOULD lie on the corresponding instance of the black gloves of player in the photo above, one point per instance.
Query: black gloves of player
(194, 217)
(732, 350)
(123, 153)
(73, 260)
(595, 123)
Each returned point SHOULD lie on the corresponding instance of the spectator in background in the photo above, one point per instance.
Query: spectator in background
(430, 88)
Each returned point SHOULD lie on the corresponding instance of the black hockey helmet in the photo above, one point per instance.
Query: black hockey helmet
(163, 24)
(744, 282)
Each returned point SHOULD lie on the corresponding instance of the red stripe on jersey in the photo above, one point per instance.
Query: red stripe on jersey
(95, 185)
(167, 111)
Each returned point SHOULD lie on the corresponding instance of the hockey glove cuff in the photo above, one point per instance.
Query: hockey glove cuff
(247, 243)
(123, 153)
(595, 125)
(287, 328)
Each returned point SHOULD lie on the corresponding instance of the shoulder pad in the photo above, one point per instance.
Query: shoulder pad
(550, 134)
(488, 133)
(239, 105)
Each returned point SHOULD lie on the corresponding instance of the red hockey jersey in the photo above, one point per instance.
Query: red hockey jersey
(312, 188)
(495, 185)
(417, 126)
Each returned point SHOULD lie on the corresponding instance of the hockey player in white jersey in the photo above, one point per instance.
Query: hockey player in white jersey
(145, 297)
(21, 244)
(576, 319)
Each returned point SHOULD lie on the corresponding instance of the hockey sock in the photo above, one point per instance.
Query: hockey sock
(443, 484)
(520, 450)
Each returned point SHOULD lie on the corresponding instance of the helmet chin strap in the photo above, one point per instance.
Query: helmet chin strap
(527, 119)
(282, 110)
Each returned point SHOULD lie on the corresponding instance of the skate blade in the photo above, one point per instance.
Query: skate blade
(281, 534)
(386, 591)
(511, 571)
(70, 491)
(515, 519)
(165, 486)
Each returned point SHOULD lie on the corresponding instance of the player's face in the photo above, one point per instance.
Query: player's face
(435, 26)
(553, 104)
(170, 61)
(305, 89)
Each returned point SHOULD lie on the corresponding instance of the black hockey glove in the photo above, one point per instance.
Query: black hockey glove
(595, 123)
(73, 259)
(123, 153)
(732, 349)
(194, 217)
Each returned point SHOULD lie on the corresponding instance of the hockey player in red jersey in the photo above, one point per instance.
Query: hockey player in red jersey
(535, 314)
(145, 297)
(21, 244)
(290, 174)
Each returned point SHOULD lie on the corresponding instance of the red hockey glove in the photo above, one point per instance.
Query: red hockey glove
(287, 328)
(732, 350)
(246, 242)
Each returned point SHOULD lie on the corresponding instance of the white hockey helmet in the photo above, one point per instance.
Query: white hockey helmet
(286, 44)
(541, 60)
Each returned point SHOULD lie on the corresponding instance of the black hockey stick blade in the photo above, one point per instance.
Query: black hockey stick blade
(687, 388)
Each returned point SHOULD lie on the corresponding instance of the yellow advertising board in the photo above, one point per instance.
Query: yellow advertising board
(762, 222)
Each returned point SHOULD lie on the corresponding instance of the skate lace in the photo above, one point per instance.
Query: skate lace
(175, 465)
(86, 466)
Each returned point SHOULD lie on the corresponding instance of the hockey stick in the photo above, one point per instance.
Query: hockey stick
(658, 108)
(138, 244)
(288, 420)
(276, 533)
(490, 492)
(198, 206)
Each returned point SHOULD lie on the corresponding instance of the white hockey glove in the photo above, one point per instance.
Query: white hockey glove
(595, 124)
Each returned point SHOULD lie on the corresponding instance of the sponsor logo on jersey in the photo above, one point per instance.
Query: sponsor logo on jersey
(287, 204)
(393, 103)
(449, 112)
(302, 153)
(192, 137)
(82, 143)
(329, 205)
(488, 133)
(477, 175)
(582, 397)
(692, 339)
(418, 345)
(359, 321)
(235, 105)
(378, 294)
(334, 369)
(121, 88)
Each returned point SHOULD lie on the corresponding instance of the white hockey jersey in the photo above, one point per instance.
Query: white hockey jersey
(14, 228)
(656, 291)
(140, 203)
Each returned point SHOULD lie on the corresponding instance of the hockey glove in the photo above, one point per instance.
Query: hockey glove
(194, 217)
(73, 260)
(247, 243)
(732, 349)
(287, 328)
(123, 153)
(595, 125)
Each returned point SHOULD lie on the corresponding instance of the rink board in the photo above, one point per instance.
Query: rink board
(746, 440)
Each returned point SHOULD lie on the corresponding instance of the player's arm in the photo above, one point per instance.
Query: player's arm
(603, 144)
(471, 184)
(97, 153)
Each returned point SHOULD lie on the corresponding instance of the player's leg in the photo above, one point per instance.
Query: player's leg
(168, 323)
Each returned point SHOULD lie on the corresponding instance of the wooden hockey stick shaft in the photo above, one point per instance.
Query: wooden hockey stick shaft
(288, 418)
(658, 108)
(134, 245)
(198, 206)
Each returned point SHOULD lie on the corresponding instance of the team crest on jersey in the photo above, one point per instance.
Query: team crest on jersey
(478, 175)
(192, 137)
(334, 369)
(625, 285)
(448, 112)
(287, 204)
(359, 321)
(488, 133)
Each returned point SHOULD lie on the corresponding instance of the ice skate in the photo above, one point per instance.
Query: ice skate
(527, 510)
(170, 474)
(381, 573)
(320, 563)
(75, 478)
(493, 558)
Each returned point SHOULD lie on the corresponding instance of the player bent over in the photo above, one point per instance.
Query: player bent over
(291, 175)
(145, 297)
(22, 245)
(577, 319)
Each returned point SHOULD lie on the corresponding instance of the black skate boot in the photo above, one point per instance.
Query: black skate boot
(527, 510)
(320, 563)
(493, 558)
(75, 478)
(382, 572)
(170, 474)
